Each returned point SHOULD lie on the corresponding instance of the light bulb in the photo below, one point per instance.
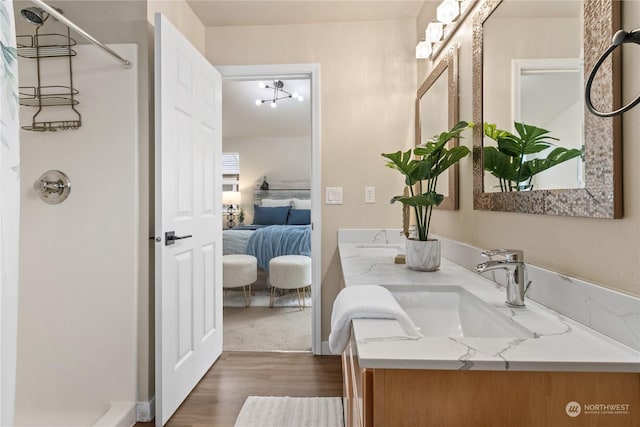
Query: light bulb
(448, 11)
(273, 104)
(262, 85)
(423, 50)
(258, 102)
(434, 32)
(300, 98)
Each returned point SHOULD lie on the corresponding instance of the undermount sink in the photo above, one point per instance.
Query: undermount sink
(380, 246)
(451, 311)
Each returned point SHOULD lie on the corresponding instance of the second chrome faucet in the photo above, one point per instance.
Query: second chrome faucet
(513, 264)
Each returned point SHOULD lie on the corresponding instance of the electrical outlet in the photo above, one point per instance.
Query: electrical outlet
(369, 194)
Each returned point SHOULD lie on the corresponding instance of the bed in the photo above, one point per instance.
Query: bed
(268, 242)
(281, 226)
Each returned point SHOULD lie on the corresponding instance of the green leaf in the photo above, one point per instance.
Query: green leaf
(430, 198)
(533, 139)
(507, 160)
(493, 132)
(555, 157)
(402, 162)
(530, 139)
(500, 165)
(449, 158)
(455, 132)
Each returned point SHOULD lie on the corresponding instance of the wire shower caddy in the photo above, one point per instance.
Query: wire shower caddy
(44, 46)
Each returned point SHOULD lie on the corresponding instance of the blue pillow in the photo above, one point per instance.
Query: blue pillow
(299, 217)
(270, 216)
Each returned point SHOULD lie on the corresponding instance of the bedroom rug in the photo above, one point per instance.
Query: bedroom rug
(270, 411)
(266, 329)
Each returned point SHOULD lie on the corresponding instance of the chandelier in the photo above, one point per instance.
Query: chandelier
(278, 93)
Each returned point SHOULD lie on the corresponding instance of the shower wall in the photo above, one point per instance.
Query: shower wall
(79, 260)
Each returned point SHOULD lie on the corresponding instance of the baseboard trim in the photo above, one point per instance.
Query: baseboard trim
(146, 411)
(325, 349)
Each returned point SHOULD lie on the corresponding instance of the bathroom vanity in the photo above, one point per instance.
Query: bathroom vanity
(481, 362)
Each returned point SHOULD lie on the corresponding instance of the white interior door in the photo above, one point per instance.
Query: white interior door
(188, 289)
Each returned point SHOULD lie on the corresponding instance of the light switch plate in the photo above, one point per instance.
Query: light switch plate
(333, 196)
(369, 194)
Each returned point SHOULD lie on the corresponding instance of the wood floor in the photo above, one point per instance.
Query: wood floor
(217, 399)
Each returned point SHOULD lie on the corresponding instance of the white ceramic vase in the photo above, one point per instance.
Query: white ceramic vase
(423, 255)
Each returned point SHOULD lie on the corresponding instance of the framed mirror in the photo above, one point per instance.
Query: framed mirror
(436, 112)
(536, 77)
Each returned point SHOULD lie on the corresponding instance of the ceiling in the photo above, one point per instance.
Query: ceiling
(242, 118)
(265, 12)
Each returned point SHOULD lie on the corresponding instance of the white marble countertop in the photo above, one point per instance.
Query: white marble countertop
(561, 344)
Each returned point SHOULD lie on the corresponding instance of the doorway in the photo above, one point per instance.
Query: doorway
(309, 72)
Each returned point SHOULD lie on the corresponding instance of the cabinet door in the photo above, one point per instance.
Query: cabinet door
(352, 376)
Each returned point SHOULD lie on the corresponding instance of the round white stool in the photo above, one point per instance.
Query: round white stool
(240, 271)
(290, 272)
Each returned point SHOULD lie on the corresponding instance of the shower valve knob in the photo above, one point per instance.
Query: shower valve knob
(53, 187)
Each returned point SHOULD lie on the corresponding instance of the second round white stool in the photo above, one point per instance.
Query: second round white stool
(290, 272)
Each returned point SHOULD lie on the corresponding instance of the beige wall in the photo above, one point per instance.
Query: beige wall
(499, 50)
(367, 83)
(602, 251)
(182, 17)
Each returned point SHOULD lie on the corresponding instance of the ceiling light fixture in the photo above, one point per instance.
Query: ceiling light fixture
(278, 93)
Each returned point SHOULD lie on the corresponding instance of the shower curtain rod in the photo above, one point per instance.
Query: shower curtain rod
(60, 17)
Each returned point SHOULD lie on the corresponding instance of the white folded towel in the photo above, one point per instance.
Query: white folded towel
(364, 302)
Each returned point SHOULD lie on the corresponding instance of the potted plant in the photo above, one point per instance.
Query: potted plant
(421, 168)
(516, 159)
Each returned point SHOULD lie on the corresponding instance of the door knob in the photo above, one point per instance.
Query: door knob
(170, 237)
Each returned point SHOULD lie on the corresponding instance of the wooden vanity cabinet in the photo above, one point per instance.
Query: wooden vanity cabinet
(358, 389)
(425, 398)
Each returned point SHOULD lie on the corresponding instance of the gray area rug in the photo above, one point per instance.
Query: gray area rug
(266, 329)
(270, 411)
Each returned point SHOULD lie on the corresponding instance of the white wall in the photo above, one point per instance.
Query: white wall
(77, 326)
(281, 159)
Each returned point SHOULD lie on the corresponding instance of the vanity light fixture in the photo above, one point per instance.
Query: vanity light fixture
(448, 11)
(434, 31)
(423, 49)
(449, 14)
(278, 93)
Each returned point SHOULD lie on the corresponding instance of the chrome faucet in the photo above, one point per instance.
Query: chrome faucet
(513, 264)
